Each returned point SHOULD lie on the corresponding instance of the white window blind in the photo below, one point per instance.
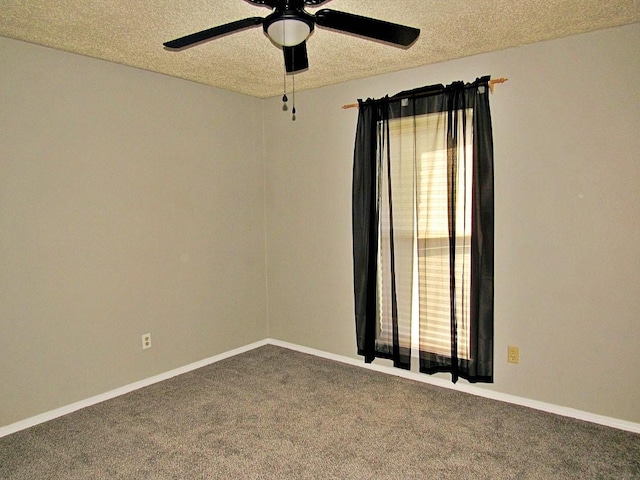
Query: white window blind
(419, 180)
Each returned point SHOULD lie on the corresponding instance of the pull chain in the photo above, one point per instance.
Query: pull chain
(285, 99)
(293, 111)
(293, 82)
(284, 95)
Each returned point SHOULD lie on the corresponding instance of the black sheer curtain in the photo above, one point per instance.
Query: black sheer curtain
(400, 143)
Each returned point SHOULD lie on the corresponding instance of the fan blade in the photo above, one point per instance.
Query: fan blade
(367, 27)
(295, 58)
(210, 33)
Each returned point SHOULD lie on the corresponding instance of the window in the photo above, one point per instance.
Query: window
(423, 230)
(419, 154)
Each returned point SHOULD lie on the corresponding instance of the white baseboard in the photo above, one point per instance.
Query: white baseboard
(58, 412)
(473, 390)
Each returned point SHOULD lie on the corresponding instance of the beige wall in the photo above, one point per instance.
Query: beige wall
(567, 173)
(130, 202)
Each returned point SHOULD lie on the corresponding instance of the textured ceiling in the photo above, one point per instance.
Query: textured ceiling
(132, 33)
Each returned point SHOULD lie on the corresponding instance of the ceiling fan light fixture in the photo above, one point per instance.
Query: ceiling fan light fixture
(289, 32)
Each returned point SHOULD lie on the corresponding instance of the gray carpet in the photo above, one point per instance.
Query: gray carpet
(276, 413)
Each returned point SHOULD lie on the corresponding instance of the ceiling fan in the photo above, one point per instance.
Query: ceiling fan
(289, 26)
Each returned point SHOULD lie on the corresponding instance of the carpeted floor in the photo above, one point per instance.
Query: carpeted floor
(277, 413)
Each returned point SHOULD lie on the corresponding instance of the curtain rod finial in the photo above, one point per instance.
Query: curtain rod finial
(492, 82)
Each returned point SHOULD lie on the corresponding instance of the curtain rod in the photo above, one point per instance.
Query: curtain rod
(492, 82)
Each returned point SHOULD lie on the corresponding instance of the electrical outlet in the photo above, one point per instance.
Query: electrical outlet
(146, 341)
(513, 354)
